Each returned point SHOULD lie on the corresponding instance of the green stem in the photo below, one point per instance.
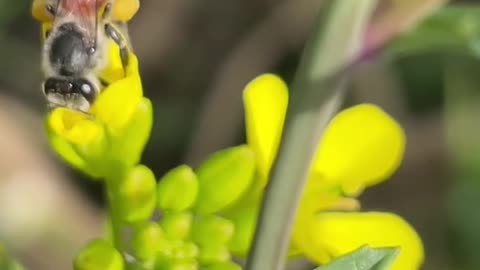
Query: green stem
(115, 223)
(316, 95)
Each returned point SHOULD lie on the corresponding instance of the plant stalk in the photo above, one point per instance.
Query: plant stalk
(115, 223)
(316, 95)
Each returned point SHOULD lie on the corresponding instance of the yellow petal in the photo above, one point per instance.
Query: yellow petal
(335, 234)
(313, 202)
(130, 143)
(39, 12)
(265, 100)
(124, 10)
(118, 102)
(65, 150)
(114, 70)
(361, 147)
(75, 127)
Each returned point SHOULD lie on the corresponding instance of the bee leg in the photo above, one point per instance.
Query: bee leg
(117, 37)
(107, 10)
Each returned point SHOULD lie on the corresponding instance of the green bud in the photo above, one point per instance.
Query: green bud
(177, 226)
(135, 196)
(184, 250)
(165, 248)
(99, 255)
(148, 240)
(223, 266)
(213, 253)
(212, 229)
(172, 264)
(177, 190)
(224, 178)
(136, 266)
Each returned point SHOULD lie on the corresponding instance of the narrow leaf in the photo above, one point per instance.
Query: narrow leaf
(364, 258)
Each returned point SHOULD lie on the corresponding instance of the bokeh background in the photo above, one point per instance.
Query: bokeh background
(195, 57)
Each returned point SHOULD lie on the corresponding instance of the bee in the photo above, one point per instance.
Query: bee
(77, 35)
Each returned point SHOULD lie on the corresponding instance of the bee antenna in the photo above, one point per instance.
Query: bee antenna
(55, 7)
(96, 23)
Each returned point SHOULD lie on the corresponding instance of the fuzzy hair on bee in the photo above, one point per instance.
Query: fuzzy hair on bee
(75, 49)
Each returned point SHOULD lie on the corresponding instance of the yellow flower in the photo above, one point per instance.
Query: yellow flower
(361, 147)
(116, 129)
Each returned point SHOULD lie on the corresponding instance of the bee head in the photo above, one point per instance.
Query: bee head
(73, 93)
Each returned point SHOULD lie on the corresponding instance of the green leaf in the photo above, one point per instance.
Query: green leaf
(177, 190)
(364, 258)
(224, 178)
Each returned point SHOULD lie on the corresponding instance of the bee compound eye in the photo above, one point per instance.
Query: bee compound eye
(50, 86)
(86, 89)
(88, 92)
(91, 50)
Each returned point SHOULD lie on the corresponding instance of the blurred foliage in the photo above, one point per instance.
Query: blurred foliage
(6, 262)
(440, 61)
(10, 10)
(455, 28)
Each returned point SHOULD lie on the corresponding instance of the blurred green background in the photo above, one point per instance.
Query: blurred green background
(195, 57)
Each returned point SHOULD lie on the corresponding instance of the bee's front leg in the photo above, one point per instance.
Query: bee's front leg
(117, 37)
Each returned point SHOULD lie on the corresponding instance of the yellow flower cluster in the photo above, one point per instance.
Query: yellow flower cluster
(362, 146)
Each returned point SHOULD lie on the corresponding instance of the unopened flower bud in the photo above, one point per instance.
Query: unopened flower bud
(177, 190)
(135, 196)
(99, 255)
(224, 178)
